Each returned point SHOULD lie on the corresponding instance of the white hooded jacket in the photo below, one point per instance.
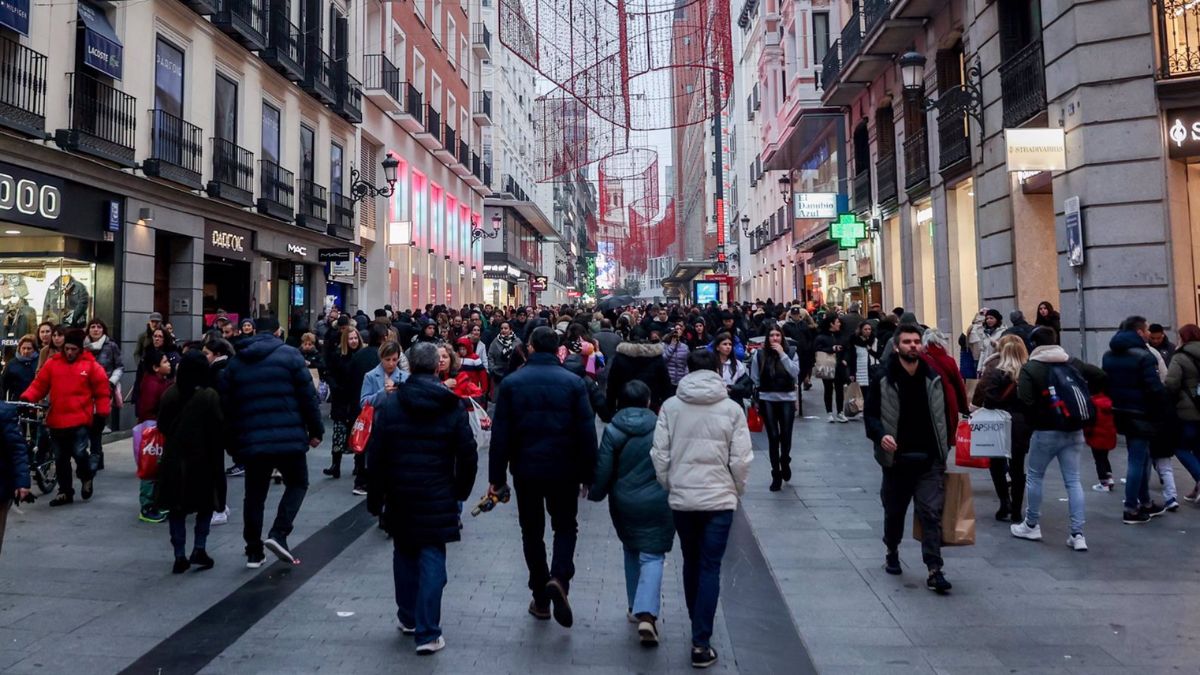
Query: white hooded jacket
(701, 449)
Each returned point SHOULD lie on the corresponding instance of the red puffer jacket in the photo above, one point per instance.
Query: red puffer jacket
(78, 391)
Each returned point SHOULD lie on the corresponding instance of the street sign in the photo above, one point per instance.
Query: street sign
(847, 230)
(1073, 220)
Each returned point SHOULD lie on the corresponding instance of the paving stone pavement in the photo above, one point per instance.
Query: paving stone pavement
(87, 588)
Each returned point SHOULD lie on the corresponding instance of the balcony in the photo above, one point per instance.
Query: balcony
(861, 197)
(852, 32)
(430, 134)
(1178, 39)
(412, 117)
(276, 191)
(176, 150)
(1023, 85)
(204, 7)
(481, 112)
(102, 121)
(486, 188)
(954, 132)
(868, 44)
(318, 76)
(481, 40)
(313, 206)
(341, 225)
(244, 21)
(22, 89)
(285, 49)
(916, 162)
(510, 186)
(381, 83)
(232, 173)
(449, 145)
(475, 178)
(462, 160)
(885, 179)
(349, 97)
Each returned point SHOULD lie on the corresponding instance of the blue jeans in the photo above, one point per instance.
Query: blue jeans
(1188, 445)
(420, 575)
(643, 581)
(702, 539)
(71, 444)
(1137, 473)
(178, 526)
(1067, 447)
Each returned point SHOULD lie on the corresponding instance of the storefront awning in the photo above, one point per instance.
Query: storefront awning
(102, 48)
(801, 137)
(14, 14)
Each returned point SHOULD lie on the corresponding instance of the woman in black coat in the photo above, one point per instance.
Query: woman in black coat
(343, 396)
(191, 471)
(834, 389)
(638, 361)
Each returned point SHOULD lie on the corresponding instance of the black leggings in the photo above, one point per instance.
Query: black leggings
(834, 388)
(778, 418)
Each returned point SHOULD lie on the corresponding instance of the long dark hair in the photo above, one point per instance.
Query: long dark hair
(770, 361)
(193, 373)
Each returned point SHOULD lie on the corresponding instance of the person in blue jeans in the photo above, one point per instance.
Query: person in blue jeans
(1139, 403)
(421, 462)
(701, 455)
(637, 504)
(1183, 387)
(1048, 442)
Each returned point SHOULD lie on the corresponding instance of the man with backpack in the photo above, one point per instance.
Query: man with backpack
(1139, 404)
(1055, 389)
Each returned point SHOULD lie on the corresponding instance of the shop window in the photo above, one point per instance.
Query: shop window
(33, 290)
(438, 216)
(420, 211)
(452, 235)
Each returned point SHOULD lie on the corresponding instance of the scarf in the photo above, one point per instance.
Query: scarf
(507, 344)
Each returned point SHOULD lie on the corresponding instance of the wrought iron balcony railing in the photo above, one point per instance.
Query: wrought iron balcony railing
(22, 88)
(276, 191)
(102, 121)
(1023, 85)
(176, 150)
(916, 160)
(232, 173)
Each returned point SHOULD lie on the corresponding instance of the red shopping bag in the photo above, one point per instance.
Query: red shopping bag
(360, 433)
(1101, 434)
(754, 420)
(149, 452)
(962, 448)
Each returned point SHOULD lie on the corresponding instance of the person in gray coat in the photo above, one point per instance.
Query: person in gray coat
(637, 504)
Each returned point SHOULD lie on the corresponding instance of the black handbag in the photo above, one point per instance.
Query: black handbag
(742, 388)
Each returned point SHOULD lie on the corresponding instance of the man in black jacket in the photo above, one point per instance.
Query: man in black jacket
(273, 418)
(544, 429)
(422, 459)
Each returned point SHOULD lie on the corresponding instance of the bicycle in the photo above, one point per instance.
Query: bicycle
(32, 418)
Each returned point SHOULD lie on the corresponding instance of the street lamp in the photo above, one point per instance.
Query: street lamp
(478, 232)
(745, 225)
(785, 188)
(361, 189)
(965, 98)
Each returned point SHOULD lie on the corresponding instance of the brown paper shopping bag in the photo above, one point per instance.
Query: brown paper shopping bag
(958, 513)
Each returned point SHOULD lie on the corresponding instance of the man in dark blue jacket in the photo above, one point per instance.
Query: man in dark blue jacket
(274, 417)
(1138, 397)
(544, 429)
(14, 469)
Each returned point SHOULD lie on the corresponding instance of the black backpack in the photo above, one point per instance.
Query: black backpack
(1066, 401)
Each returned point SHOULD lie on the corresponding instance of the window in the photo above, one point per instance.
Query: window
(452, 236)
(418, 79)
(435, 22)
(225, 108)
(420, 211)
(451, 39)
(398, 53)
(820, 36)
(464, 56)
(401, 199)
(437, 217)
(308, 142)
(435, 93)
(335, 169)
(168, 78)
(270, 132)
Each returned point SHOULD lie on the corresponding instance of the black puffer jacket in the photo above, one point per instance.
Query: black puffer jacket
(421, 462)
(343, 395)
(638, 361)
(269, 402)
(543, 426)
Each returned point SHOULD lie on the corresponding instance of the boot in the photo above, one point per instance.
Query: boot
(335, 467)
(1005, 512)
(785, 470)
(776, 482)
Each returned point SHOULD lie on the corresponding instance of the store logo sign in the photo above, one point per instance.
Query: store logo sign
(28, 197)
(1183, 133)
(298, 250)
(1035, 149)
(228, 241)
(815, 204)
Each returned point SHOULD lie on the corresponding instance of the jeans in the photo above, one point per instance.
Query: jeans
(643, 581)
(702, 539)
(1137, 473)
(1068, 447)
(146, 493)
(832, 389)
(178, 526)
(1187, 447)
(71, 444)
(534, 500)
(4, 505)
(778, 418)
(924, 485)
(419, 574)
(1165, 467)
(96, 445)
(294, 468)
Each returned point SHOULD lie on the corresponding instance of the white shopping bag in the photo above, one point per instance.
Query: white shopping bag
(991, 433)
(481, 426)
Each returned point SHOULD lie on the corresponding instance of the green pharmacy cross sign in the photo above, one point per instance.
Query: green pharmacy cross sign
(847, 230)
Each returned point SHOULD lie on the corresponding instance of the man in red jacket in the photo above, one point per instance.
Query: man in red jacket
(79, 400)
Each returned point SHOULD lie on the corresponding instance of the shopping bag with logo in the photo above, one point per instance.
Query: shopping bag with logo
(962, 449)
(481, 426)
(825, 367)
(754, 420)
(360, 433)
(991, 433)
(958, 513)
(149, 451)
(855, 402)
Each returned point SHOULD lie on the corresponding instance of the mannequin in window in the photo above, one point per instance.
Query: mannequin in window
(66, 302)
(19, 318)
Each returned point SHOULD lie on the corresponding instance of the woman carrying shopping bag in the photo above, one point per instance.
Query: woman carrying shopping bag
(997, 390)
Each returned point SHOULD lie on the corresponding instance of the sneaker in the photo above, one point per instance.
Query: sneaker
(1154, 510)
(647, 631)
(235, 470)
(181, 565)
(221, 517)
(407, 630)
(87, 490)
(629, 616)
(832, 419)
(255, 560)
(937, 583)
(703, 657)
(891, 563)
(841, 418)
(150, 515)
(539, 612)
(562, 607)
(359, 491)
(1077, 542)
(1022, 530)
(1172, 505)
(280, 549)
(1103, 486)
(432, 647)
(61, 499)
(1193, 495)
(1135, 517)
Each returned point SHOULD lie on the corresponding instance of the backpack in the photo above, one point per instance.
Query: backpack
(1066, 401)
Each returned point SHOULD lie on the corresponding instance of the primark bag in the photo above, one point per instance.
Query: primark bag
(991, 433)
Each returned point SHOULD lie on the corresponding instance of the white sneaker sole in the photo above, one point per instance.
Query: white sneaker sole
(648, 635)
(280, 552)
(1032, 536)
(1071, 545)
(432, 647)
(254, 564)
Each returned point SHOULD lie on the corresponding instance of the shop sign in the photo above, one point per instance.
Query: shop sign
(1073, 220)
(1183, 133)
(340, 261)
(815, 204)
(572, 293)
(27, 197)
(1036, 149)
(15, 15)
(539, 284)
(227, 241)
(41, 200)
(720, 278)
(847, 231)
(298, 249)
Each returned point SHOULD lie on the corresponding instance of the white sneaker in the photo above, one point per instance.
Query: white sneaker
(1103, 486)
(406, 630)
(1022, 530)
(221, 518)
(359, 492)
(432, 647)
(842, 418)
(832, 418)
(1077, 542)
